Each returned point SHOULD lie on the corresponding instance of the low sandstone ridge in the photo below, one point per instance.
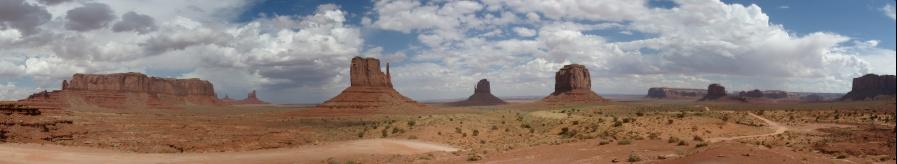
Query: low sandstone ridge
(675, 93)
(573, 85)
(369, 88)
(123, 91)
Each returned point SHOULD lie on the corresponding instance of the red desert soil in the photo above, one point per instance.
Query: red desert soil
(33, 153)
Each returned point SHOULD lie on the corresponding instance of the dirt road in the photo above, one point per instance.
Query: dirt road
(34, 153)
(772, 124)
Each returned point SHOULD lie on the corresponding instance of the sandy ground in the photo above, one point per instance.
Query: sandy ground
(772, 124)
(34, 153)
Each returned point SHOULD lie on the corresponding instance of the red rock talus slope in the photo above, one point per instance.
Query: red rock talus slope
(870, 86)
(29, 125)
(482, 95)
(250, 99)
(369, 88)
(675, 93)
(125, 90)
(573, 85)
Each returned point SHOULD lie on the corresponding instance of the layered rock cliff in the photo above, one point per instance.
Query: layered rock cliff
(125, 90)
(573, 85)
(369, 87)
(871, 85)
(482, 95)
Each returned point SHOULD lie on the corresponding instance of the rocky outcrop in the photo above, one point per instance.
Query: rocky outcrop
(482, 95)
(125, 90)
(871, 85)
(770, 94)
(250, 99)
(675, 93)
(369, 88)
(715, 91)
(22, 124)
(573, 85)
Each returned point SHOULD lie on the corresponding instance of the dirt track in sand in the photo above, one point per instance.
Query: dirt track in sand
(772, 124)
(34, 153)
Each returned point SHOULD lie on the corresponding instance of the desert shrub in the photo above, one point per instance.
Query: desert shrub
(669, 121)
(698, 138)
(653, 136)
(457, 130)
(682, 143)
(411, 123)
(397, 130)
(673, 140)
(702, 144)
(384, 133)
(624, 142)
(634, 158)
(494, 127)
(575, 122)
(476, 132)
(639, 114)
(603, 142)
(474, 157)
(618, 124)
(526, 126)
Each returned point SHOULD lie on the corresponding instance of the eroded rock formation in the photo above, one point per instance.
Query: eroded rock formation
(125, 90)
(251, 98)
(871, 85)
(716, 92)
(770, 94)
(573, 85)
(675, 93)
(23, 124)
(369, 88)
(482, 95)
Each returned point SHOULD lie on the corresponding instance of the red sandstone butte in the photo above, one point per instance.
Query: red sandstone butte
(573, 85)
(369, 88)
(871, 85)
(125, 90)
(482, 95)
(250, 99)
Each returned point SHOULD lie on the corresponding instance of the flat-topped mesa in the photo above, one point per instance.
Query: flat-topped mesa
(870, 86)
(139, 83)
(369, 88)
(573, 84)
(675, 93)
(125, 90)
(482, 95)
(769, 94)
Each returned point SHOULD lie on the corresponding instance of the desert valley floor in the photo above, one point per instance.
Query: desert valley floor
(644, 131)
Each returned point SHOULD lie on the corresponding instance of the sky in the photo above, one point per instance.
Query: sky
(298, 51)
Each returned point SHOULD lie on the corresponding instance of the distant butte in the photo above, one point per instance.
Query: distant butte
(482, 95)
(251, 98)
(870, 86)
(573, 85)
(125, 90)
(369, 88)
